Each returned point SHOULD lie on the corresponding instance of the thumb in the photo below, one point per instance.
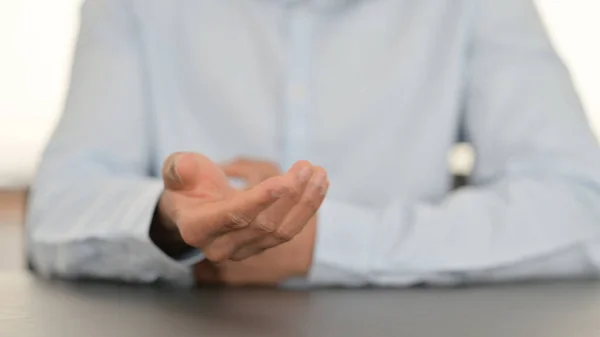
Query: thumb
(188, 170)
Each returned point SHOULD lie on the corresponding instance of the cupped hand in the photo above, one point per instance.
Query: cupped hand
(230, 224)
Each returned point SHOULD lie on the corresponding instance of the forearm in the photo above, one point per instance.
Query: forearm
(579, 260)
(100, 231)
(471, 236)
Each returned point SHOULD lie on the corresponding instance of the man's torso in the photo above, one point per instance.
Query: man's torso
(370, 90)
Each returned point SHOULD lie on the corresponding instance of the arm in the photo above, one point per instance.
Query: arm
(93, 199)
(534, 208)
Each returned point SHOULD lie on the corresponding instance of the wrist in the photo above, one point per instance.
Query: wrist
(164, 232)
(163, 214)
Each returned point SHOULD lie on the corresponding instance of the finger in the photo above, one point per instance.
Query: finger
(268, 222)
(297, 177)
(237, 212)
(220, 249)
(270, 169)
(237, 168)
(308, 205)
(296, 219)
(213, 221)
(187, 170)
(265, 222)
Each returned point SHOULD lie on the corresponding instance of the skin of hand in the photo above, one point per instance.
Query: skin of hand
(291, 259)
(273, 266)
(229, 224)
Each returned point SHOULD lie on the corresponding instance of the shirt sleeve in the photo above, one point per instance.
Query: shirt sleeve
(533, 208)
(94, 196)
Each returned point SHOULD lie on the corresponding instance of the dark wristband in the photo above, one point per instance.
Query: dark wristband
(167, 237)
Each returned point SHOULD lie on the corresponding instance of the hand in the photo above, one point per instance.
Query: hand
(229, 224)
(252, 171)
(273, 266)
(292, 259)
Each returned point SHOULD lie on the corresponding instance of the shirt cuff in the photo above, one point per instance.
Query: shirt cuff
(344, 243)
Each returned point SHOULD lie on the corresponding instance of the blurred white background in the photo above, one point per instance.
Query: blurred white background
(36, 41)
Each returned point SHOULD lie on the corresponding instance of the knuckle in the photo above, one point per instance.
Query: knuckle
(279, 185)
(311, 203)
(238, 220)
(267, 225)
(216, 255)
(283, 235)
(293, 191)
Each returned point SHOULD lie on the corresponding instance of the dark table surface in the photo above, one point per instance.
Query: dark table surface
(30, 307)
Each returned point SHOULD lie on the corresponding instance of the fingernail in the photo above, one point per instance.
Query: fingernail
(305, 173)
(319, 180)
(173, 174)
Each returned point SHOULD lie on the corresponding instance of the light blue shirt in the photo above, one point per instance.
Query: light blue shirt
(376, 91)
